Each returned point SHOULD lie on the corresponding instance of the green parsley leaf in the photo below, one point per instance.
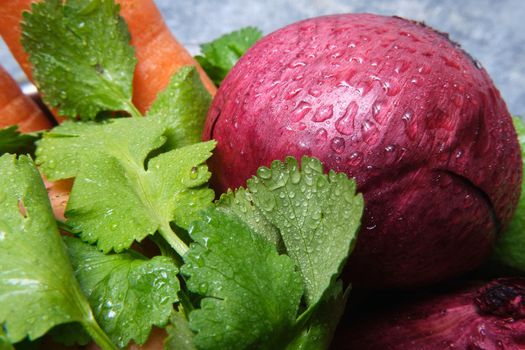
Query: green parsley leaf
(37, 286)
(128, 293)
(180, 336)
(70, 334)
(219, 56)
(250, 293)
(12, 141)
(317, 215)
(319, 330)
(182, 108)
(240, 203)
(82, 60)
(118, 196)
(4, 343)
(510, 246)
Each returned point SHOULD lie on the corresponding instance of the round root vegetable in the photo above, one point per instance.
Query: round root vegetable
(488, 316)
(396, 105)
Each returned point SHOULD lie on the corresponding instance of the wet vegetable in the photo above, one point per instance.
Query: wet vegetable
(484, 316)
(399, 107)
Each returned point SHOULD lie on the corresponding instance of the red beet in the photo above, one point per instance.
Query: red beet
(486, 317)
(399, 107)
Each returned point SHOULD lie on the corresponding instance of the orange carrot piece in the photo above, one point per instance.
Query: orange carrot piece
(58, 193)
(158, 52)
(10, 30)
(17, 108)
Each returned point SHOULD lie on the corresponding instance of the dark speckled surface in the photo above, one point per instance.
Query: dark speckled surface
(491, 31)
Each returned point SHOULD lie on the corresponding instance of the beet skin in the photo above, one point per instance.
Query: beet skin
(483, 316)
(396, 105)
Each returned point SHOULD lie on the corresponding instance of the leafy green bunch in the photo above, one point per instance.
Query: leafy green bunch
(145, 243)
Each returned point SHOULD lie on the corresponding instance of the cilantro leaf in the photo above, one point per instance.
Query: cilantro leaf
(12, 141)
(240, 203)
(182, 108)
(63, 150)
(82, 60)
(37, 286)
(4, 343)
(115, 199)
(128, 293)
(510, 246)
(319, 330)
(315, 214)
(180, 336)
(250, 293)
(70, 334)
(219, 56)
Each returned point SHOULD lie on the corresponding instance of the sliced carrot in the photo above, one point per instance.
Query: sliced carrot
(158, 52)
(17, 108)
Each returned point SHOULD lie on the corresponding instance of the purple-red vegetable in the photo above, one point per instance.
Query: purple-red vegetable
(398, 106)
(487, 316)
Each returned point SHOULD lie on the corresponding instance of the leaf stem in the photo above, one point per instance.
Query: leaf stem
(166, 249)
(174, 241)
(99, 336)
(133, 111)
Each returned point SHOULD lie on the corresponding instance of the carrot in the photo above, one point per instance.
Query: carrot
(158, 52)
(159, 56)
(58, 193)
(17, 108)
(10, 30)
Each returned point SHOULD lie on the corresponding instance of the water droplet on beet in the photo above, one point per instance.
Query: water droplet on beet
(323, 113)
(418, 81)
(370, 132)
(300, 111)
(296, 64)
(315, 92)
(376, 112)
(345, 124)
(338, 144)
(355, 159)
(321, 135)
(292, 93)
(391, 88)
(356, 59)
(424, 69)
(407, 116)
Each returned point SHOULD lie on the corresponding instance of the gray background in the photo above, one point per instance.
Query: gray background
(492, 31)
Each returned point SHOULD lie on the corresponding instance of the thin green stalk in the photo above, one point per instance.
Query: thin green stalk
(174, 241)
(166, 249)
(99, 336)
(133, 111)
